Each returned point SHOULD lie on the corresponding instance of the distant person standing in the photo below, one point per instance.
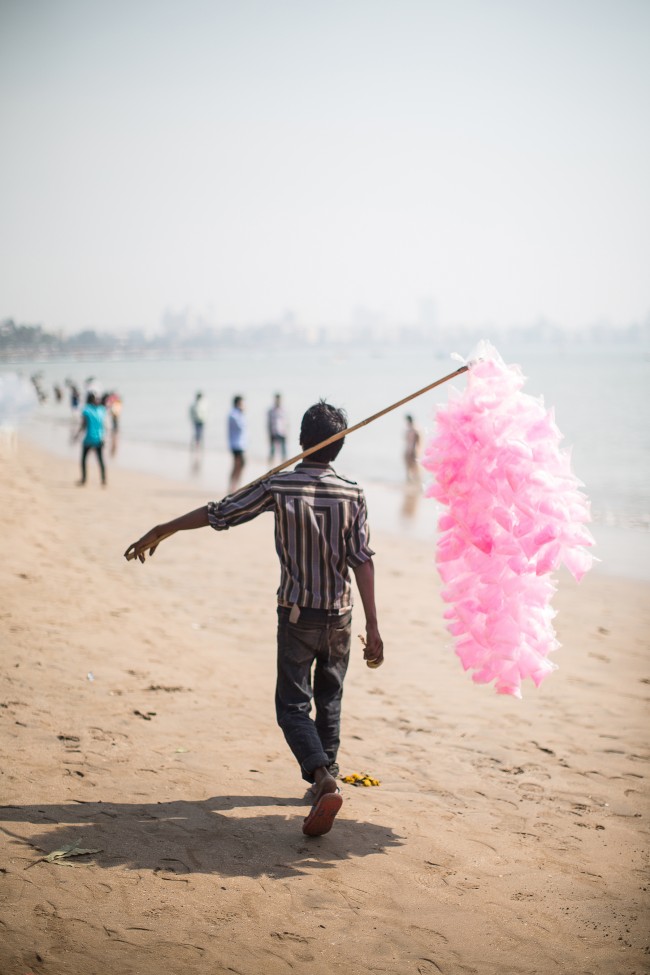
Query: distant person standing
(93, 418)
(237, 441)
(412, 441)
(74, 394)
(114, 411)
(197, 416)
(277, 429)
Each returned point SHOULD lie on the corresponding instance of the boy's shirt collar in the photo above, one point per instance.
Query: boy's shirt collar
(321, 465)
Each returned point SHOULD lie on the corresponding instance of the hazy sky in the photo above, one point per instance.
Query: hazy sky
(252, 156)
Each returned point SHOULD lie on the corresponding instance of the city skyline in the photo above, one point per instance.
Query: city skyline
(183, 336)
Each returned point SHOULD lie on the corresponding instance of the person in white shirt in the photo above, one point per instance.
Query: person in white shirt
(412, 442)
(237, 441)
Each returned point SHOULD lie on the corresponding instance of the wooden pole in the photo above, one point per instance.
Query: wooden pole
(337, 436)
(357, 426)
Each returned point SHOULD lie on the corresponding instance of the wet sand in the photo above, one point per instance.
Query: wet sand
(137, 720)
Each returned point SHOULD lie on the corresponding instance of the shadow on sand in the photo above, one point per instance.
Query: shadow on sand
(178, 838)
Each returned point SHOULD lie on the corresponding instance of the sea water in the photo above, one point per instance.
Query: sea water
(599, 394)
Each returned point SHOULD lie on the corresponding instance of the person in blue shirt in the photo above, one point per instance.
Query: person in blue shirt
(237, 441)
(93, 420)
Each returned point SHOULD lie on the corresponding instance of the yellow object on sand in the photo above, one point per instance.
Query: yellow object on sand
(360, 778)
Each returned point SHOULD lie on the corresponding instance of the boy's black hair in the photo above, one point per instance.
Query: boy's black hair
(322, 420)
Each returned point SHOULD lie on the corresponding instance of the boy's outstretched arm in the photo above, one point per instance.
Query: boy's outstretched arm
(374, 648)
(193, 519)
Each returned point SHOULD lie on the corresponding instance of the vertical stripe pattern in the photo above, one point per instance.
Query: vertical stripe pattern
(321, 530)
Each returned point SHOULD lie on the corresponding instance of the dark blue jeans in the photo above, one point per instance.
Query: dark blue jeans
(98, 448)
(322, 638)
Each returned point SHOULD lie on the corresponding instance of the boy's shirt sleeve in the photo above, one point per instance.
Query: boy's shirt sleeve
(357, 543)
(240, 507)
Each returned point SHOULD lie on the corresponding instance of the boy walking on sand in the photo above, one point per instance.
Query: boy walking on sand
(321, 531)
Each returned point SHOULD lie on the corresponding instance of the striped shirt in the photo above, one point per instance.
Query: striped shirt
(321, 530)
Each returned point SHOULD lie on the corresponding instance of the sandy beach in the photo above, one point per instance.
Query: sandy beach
(137, 721)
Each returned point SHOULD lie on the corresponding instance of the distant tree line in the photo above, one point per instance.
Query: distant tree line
(25, 338)
(33, 340)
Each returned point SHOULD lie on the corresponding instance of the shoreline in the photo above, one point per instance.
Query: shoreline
(138, 723)
(395, 508)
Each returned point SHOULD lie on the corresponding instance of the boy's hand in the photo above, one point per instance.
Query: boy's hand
(193, 519)
(373, 647)
(149, 541)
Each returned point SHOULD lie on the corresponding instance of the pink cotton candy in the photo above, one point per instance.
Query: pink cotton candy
(514, 513)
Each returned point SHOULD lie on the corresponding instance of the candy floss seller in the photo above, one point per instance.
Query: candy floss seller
(513, 513)
(321, 532)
